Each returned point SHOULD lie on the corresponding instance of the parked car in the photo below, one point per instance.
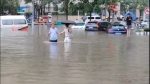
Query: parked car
(79, 25)
(104, 25)
(97, 25)
(92, 26)
(93, 18)
(13, 21)
(116, 28)
(145, 23)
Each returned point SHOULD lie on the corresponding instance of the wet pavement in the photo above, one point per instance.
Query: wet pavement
(92, 57)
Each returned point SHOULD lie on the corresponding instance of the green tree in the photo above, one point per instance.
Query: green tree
(73, 8)
(108, 3)
(94, 6)
(141, 6)
(55, 8)
(9, 5)
(97, 9)
(38, 6)
(125, 5)
(64, 7)
(129, 5)
(88, 7)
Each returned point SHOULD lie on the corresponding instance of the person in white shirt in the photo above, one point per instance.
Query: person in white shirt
(67, 31)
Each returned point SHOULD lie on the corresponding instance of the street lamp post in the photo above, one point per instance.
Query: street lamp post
(105, 9)
(32, 13)
(91, 10)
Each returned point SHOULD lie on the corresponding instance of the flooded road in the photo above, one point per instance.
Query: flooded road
(92, 57)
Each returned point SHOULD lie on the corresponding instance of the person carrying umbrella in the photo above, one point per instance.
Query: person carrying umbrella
(128, 22)
(84, 18)
(67, 32)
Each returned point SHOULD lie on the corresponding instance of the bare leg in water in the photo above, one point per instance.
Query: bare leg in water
(128, 32)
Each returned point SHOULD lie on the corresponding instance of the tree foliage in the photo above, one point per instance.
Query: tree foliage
(138, 4)
(9, 5)
(73, 8)
(65, 7)
(142, 4)
(97, 9)
(88, 7)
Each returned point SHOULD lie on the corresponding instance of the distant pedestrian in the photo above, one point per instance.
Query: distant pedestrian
(50, 20)
(55, 22)
(68, 33)
(53, 33)
(84, 18)
(129, 22)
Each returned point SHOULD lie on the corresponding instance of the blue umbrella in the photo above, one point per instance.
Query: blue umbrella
(131, 14)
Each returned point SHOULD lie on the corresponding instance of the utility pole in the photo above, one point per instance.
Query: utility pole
(105, 8)
(32, 13)
(90, 1)
(148, 15)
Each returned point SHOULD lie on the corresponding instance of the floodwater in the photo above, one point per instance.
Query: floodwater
(92, 57)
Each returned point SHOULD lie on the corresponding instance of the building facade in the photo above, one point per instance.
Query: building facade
(50, 8)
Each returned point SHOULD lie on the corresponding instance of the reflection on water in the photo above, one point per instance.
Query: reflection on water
(91, 57)
(67, 49)
(53, 50)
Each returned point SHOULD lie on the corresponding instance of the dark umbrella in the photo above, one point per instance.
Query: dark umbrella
(67, 22)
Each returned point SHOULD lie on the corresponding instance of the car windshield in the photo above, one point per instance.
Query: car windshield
(79, 24)
(124, 23)
(117, 27)
(90, 17)
(116, 23)
(19, 21)
(91, 23)
(97, 17)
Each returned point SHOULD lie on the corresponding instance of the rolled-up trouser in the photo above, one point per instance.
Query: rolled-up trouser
(67, 39)
(53, 40)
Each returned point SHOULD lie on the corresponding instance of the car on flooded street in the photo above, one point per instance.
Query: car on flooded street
(96, 25)
(116, 28)
(92, 26)
(14, 22)
(79, 25)
(145, 23)
(104, 25)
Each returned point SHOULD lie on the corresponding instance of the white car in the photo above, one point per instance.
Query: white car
(79, 25)
(145, 23)
(13, 21)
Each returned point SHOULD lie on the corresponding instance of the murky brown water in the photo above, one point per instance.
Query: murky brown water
(92, 57)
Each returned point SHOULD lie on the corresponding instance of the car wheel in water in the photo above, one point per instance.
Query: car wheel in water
(106, 30)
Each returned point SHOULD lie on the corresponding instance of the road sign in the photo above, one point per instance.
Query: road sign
(20, 11)
(146, 10)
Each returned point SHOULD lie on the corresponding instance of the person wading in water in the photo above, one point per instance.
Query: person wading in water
(129, 23)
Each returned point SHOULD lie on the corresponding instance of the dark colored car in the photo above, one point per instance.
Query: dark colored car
(92, 26)
(95, 25)
(116, 28)
(104, 25)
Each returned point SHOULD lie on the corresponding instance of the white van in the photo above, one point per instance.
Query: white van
(13, 21)
(93, 18)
